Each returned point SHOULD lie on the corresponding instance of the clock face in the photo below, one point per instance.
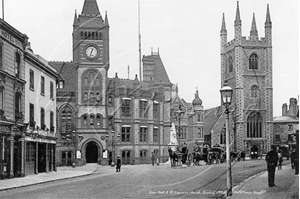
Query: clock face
(91, 51)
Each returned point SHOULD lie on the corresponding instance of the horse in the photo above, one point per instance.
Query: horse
(173, 157)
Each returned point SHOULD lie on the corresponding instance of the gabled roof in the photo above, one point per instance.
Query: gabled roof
(211, 116)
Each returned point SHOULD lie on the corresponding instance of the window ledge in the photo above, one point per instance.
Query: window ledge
(43, 94)
(32, 89)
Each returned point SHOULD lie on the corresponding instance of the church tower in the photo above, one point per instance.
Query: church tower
(246, 66)
(91, 61)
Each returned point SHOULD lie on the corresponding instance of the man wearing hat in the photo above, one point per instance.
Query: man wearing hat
(272, 159)
(118, 167)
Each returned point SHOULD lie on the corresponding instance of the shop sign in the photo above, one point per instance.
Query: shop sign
(78, 154)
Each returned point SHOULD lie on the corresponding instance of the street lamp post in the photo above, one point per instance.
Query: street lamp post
(113, 146)
(226, 96)
(179, 115)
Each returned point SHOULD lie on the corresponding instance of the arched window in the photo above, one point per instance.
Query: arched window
(253, 61)
(84, 120)
(99, 121)
(254, 125)
(85, 81)
(66, 121)
(98, 97)
(91, 97)
(85, 96)
(254, 92)
(91, 120)
(97, 81)
(230, 64)
(91, 77)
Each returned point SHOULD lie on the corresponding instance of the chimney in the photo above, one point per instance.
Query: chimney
(284, 109)
(292, 107)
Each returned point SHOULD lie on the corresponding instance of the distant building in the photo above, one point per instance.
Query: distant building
(246, 66)
(101, 117)
(40, 114)
(287, 125)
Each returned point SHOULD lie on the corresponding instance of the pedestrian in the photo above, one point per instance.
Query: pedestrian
(152, 158)
(280, 160)
(272, 160)
(296, 162)
(119, 163)
(293, 157)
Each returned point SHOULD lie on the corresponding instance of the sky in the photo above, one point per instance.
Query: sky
(185, 32)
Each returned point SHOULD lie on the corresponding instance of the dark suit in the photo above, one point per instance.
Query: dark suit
(118, 165)
(272, 159)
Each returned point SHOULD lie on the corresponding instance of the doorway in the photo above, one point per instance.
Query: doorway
(125, 157)
(254, 152)
(91, 152)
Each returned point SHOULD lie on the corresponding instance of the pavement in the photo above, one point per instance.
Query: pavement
(287, 184)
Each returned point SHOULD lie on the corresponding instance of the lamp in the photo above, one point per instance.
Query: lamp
(226, 96)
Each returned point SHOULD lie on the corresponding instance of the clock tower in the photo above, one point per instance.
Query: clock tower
(91, 61)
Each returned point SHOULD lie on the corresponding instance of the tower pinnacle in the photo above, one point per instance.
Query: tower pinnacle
(268, 22)
(223, 28)
(237, 16)
(253, 32)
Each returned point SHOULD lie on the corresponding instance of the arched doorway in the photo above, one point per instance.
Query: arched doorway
(91, 152)
(254, 152)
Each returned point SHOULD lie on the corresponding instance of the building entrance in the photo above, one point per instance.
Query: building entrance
(125, 157)
(254, 152)
(91, 153)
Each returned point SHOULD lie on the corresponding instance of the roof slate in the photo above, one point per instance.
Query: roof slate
(211, 116)
(67, 72)
(90, 7)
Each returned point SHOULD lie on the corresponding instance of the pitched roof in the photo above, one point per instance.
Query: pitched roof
(160, 74)
(90, 7)
(67, 72)
(211, 116)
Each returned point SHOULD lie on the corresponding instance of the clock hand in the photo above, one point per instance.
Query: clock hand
(91, 52)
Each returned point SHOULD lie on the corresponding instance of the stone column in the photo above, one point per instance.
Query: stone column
(23, 156)
(36, 158)
(11, 162)
(47, 158)
(51, 157)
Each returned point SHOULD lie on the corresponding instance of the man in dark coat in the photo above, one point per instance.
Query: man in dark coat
(272, 159)
(118, 167)
(293, 157)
